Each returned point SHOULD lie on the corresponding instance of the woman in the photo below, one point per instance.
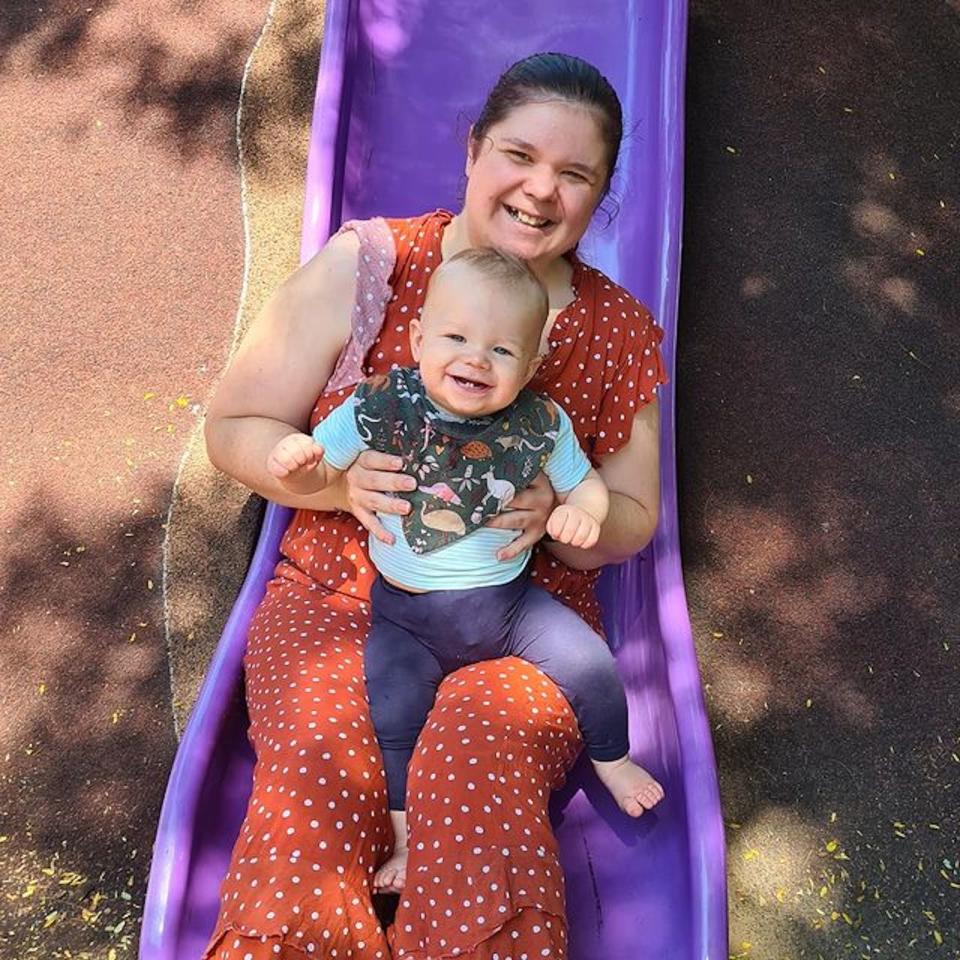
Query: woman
(483, 878)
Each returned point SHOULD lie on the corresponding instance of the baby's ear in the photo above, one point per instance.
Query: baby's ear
(532, 367)
(416, 338)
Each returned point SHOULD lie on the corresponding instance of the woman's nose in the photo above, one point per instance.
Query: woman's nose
(540, 183)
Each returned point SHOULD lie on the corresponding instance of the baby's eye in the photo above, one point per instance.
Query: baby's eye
(503, 351)
(456, 337)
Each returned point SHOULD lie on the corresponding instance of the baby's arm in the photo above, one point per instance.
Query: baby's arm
(581, 513)
(582, 493)
(297, 462)
(308, 464)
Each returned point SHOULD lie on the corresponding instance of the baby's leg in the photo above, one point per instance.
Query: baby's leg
(402, 678)
(555, 639)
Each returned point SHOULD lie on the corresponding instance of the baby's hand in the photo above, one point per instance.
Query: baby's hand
(569, 524)
(294, 457)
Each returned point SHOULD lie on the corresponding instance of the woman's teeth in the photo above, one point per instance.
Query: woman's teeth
(525, 218)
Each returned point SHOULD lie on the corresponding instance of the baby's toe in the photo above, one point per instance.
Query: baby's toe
(650, 797)
(632, 807)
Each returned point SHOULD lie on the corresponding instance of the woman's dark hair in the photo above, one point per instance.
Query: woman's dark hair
(556, 76)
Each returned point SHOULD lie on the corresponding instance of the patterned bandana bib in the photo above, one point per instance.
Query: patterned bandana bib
(467, 471)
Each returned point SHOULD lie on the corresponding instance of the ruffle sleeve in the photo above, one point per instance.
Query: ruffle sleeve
(640, 371)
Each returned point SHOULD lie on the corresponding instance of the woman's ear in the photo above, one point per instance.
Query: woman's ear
(416, 338)
(468, 165)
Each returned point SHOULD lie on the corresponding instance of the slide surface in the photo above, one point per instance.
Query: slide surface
(397, 88)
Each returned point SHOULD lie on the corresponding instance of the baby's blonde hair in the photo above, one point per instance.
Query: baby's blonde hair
(504, 268)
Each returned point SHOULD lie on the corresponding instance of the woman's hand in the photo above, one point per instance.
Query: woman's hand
(369, 483)
(528, 512)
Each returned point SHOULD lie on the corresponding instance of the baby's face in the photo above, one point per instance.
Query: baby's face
(476, 342)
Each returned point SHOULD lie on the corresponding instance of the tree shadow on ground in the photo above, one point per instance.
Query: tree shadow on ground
(819, 418)
(174, 74)
(88, 738)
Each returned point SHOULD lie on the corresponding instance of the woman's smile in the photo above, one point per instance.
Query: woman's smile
(540, 224)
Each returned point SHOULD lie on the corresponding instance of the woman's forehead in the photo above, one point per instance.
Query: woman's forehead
(555, 124)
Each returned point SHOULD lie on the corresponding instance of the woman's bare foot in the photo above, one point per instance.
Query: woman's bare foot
(631, 786)
(392, 876)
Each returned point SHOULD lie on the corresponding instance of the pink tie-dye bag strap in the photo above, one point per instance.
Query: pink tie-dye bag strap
(375, 263)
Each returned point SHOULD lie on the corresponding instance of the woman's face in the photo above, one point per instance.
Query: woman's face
(534, 181)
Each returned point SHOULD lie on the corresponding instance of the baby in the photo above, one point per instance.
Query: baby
(472, 435)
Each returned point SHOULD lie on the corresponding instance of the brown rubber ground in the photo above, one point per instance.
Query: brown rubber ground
(819, 403)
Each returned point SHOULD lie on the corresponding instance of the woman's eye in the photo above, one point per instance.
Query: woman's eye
(519, 155)
(576, 177)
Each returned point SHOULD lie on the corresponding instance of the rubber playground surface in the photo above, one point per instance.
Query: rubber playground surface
(818, 438)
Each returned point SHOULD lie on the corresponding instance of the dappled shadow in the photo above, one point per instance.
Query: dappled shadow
(172, 74)
(59, 30)
(212, 531)
(88, 738)
(818, 427)
(183, 96)
(206, 561)
(278, 99)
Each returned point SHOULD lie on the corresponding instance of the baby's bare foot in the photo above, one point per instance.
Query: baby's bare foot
(631, 786)
(392, 876)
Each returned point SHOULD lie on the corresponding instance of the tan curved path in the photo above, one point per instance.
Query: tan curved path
(213, 521)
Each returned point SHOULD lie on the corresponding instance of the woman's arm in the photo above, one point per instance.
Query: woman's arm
(279, 370)
(632, 475)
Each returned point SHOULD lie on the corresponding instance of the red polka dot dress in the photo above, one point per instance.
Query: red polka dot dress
(483, 877)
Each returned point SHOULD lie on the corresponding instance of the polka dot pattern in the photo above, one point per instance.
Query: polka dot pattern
(374, 267)
(484, 770)
(316, 823)
(484, 879)
(483, 862)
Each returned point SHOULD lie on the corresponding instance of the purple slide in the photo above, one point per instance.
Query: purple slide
(398, 85)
